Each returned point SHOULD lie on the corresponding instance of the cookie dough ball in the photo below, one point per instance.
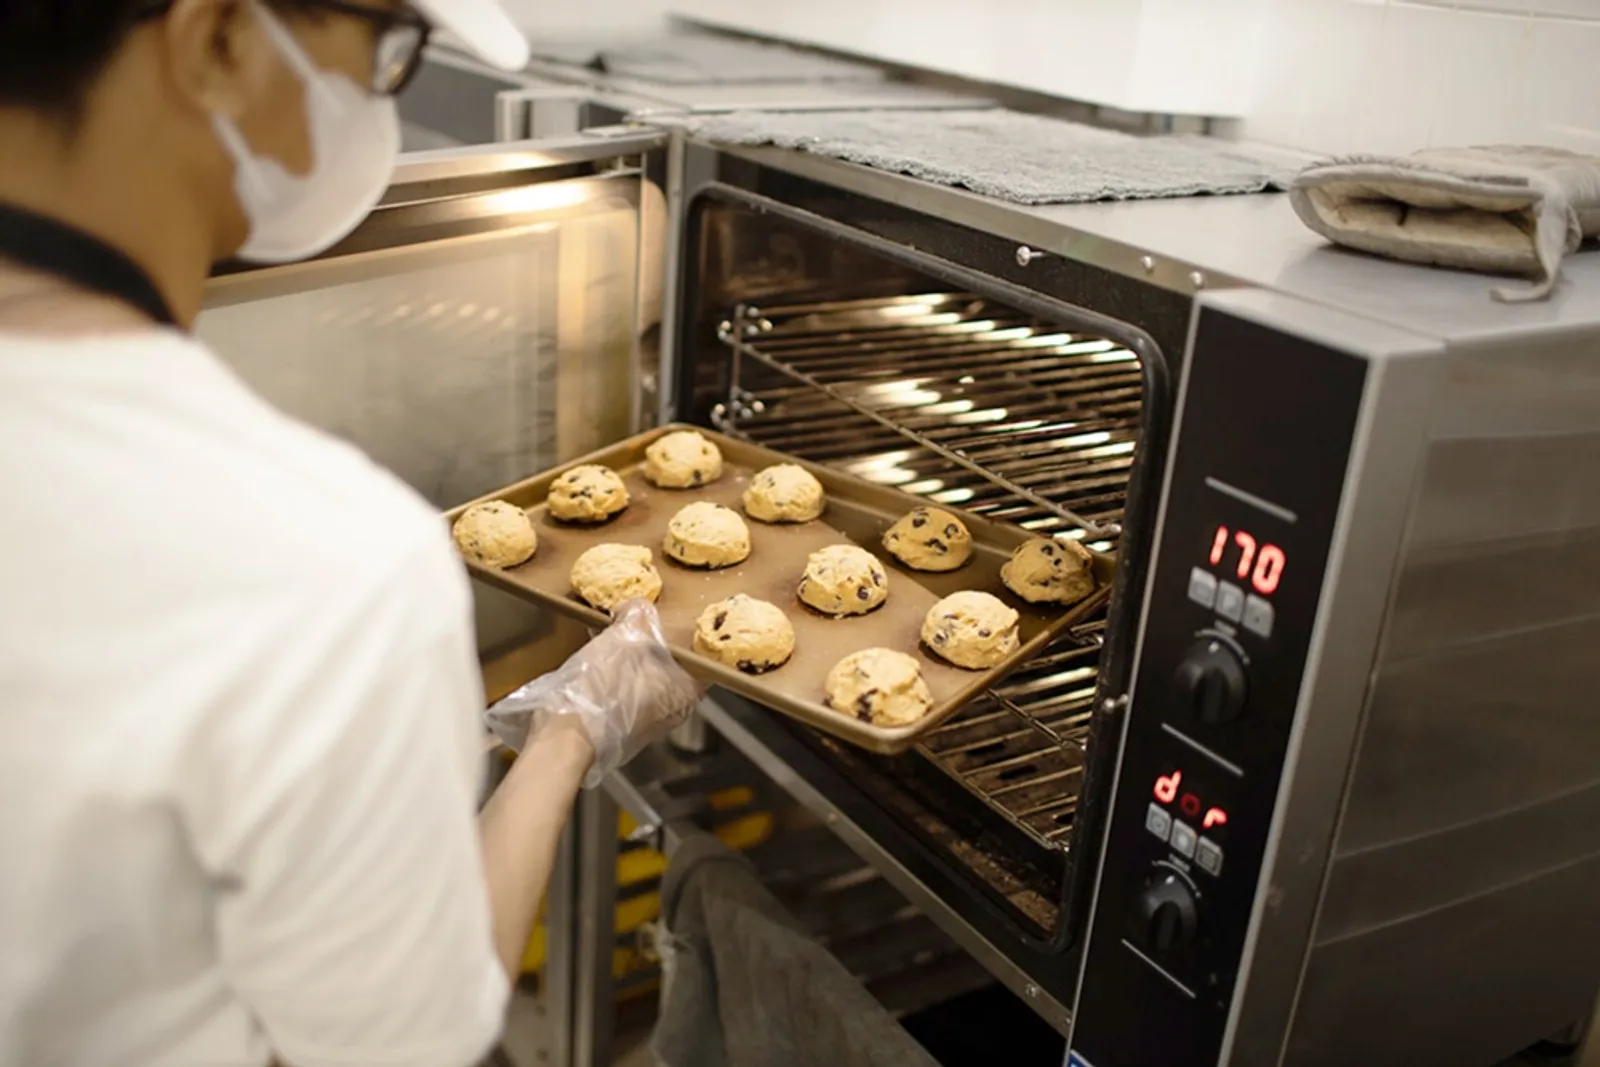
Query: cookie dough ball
(496, 534)
(879, 686)
(785, 493)
(587, 494)
(844, 580)
(1044, 571)
(929, 539)
(746, 633)
(707, 535)
(608, 575)
(971, 630)
(683, 460)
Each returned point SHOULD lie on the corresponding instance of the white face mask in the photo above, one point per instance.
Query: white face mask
(355, 141)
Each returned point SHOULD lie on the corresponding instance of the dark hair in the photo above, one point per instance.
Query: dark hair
(53, 51)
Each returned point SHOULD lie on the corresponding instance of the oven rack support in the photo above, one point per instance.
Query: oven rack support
(747, 324)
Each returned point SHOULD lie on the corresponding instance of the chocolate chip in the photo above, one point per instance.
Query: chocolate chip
(950, 530)
(725, 637)
(984, 633)
(586, 493)
(698, 477)
(877, 577)
(746, 666)
(938, 545)
(949, 616)
(864, 705)
(1048, 550)
(1056, 563)
(940, 637)
(863, 593)
(919, 519)
(721, 618)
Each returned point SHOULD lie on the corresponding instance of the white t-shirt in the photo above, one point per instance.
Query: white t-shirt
(239, 742)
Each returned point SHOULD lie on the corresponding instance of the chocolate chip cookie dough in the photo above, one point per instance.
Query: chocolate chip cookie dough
(929, 539)
(972, 630)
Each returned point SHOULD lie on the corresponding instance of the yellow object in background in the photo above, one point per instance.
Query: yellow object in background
(638, 867)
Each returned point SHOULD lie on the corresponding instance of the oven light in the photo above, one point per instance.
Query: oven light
(932, 485)
(975, 417)
(1112, 355)
(953, 407)
(952, 496)
(965, 379)
(1099, 438)
(908, 311)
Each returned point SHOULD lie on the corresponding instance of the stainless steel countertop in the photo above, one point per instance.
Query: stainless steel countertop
(1232, 241)
(799, 96)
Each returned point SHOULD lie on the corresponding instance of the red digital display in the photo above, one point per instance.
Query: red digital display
(1168, 791)
(1238, 552)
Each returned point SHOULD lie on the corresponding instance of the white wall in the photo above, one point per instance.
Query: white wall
(1194, 57)
(1323, 75)
(584, 16)
(1376, 76)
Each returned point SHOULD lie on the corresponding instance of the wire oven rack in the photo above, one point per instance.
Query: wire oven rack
(951, 397)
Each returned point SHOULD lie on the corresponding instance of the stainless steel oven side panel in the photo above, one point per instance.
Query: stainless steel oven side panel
(1379, 486)
(1462, 910)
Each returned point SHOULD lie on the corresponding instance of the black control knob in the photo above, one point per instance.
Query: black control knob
(1168, 915)
(1211, 682)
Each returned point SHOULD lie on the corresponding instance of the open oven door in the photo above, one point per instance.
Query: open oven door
(498, 313)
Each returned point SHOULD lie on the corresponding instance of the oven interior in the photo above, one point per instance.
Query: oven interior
(1007, 791)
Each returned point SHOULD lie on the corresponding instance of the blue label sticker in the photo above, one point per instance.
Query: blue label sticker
(1075, 1060)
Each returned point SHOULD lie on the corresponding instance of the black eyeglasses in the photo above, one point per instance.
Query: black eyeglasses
(402, 35)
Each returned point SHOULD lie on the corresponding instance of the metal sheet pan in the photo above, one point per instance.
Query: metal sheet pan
(858, 512)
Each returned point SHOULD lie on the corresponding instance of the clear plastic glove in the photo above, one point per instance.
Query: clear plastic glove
(624, 688)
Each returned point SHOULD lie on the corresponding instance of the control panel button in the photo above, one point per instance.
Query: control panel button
(1208, 854)
(1230, 601)
(1203, 587)
(1258, 616)
(1168, 915)
(1158, 820)
(1211, 682)
(1183, 839)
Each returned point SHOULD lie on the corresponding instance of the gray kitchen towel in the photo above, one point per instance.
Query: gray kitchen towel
(1504, 210)
(703, 59)
(1026, 159)
(743, 986)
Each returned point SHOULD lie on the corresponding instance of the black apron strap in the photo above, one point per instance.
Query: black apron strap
(52, 247)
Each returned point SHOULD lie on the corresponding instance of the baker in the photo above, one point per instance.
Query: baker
(240, 735)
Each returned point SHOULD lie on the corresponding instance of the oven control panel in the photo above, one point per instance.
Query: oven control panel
(1253, 494)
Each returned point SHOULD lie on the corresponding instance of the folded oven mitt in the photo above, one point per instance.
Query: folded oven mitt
(743, 985)
(1501, 210)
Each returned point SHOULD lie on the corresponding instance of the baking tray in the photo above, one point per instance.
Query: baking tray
(858, 512)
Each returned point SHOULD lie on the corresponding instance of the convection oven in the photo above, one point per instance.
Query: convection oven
(1321, 785)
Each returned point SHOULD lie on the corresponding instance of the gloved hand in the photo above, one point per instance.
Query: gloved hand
(624, 688)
